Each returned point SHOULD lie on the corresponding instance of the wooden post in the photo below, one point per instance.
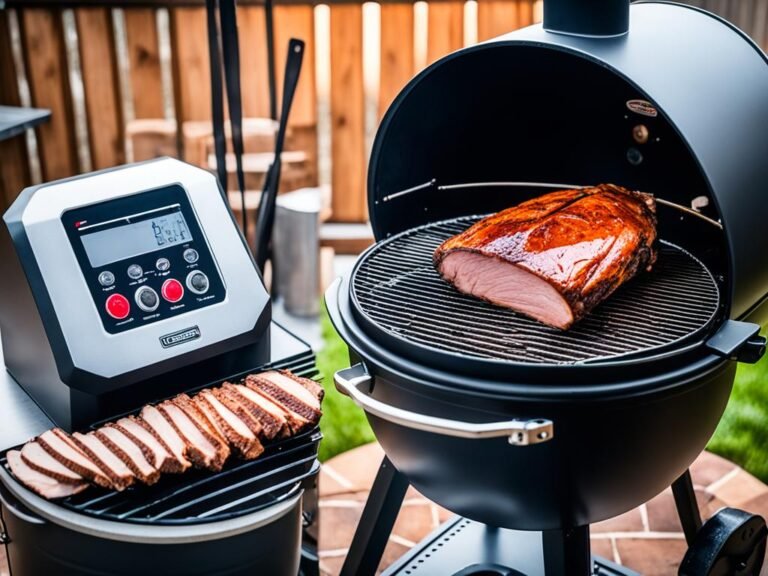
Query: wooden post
(42, 35)
(98, 62)
(445, 31)
(397, 65)
(14, 162)
(144, 58)
(347, 114)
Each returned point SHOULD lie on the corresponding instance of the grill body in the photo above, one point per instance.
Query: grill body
(616, 445)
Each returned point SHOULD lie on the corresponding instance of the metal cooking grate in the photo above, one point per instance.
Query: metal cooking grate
(202, 496)
(398, 290)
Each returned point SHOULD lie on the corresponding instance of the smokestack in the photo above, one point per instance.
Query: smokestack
(587, 17)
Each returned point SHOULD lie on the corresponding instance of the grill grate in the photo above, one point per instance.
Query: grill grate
(202, 496)
(399, 292)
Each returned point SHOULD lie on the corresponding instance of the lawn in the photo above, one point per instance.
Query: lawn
(741, 437)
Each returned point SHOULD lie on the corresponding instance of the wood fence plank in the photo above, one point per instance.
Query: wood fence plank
(14, 163)
(98, 61)
(144, 57)
(297, 22)
(525, 13)
(761, 23)
(397, 56)
(347, 114)
(191, 70)
(445, 32)
(496, 17)
(253, 61)
(42, 34)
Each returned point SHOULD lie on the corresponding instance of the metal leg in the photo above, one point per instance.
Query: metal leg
(375, 526)
(566, 552)
(687, 507)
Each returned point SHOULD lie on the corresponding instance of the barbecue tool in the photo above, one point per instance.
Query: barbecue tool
(265, 217)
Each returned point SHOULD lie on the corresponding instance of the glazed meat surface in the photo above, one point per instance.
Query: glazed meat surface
(555, 257)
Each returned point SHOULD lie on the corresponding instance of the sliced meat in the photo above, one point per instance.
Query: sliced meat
(40, 483)
(166, 434)
(154, 450)
(556, 257)
(118, 472)
(35, 456)
(291, 396)
(238, 405)
(275, 421)
(203, 448)
(61, 446)
(230, 425)
(131, 454)
(281, 377)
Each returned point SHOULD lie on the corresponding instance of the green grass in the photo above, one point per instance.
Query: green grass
(343, 424)
(742, 436)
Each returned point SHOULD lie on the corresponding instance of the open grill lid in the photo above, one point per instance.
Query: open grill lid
(540, 106)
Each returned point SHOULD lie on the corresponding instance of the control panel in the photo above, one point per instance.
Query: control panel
(144, 258)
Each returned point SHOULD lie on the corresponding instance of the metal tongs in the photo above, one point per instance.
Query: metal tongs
(432, 184)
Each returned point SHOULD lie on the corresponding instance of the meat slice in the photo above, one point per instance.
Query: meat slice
(203, 448)
(283, 377)
(302, 406)
(40, 483)
(154, 450)
(118, 472)
(125, 449)
(61, 446)
(230, 425)
(35, 456)
(556, 257)
(166, 434)
(275, 421)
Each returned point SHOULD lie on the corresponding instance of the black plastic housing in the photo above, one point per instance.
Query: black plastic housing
(587, 17)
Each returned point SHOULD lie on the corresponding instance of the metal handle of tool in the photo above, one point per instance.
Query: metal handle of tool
(266, 214)
(518, 432)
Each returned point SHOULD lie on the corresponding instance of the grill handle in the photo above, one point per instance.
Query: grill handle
(518, 432)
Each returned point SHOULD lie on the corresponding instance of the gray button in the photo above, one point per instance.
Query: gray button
(197, 282)
(191, 255)
(106, 278)
(147, 299)
(162, 264)
(135, 271)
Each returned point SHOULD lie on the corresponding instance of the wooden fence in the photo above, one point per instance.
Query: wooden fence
(46, 44)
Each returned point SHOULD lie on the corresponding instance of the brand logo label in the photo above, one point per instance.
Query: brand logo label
(176, 338)
(642, 107)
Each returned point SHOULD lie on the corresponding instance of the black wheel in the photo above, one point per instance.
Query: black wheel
(731, 543)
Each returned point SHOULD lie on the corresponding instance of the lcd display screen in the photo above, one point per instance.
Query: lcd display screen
(104, 246)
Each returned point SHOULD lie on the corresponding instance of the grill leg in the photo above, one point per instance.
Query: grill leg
(376, 523)
(566, 552)
(687, 507)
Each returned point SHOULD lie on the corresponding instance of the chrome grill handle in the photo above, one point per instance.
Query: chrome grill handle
(518, 432)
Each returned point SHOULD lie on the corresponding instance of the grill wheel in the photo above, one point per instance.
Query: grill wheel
(399, 293)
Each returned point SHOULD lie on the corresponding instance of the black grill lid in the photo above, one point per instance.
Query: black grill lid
(695, 80)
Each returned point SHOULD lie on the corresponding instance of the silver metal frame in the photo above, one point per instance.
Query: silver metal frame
(518, 432)
(548, 185)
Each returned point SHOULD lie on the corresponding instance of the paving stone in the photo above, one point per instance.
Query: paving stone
(758, 505)
(662, 512)
(628, 522)
(330, 485)
(740, 489)
(602, 547)
(337, 526)
(415, 522)
(651, 557)
(359, 466)
(709, 468)
(392, 552)
(331, 566)
(4, 570)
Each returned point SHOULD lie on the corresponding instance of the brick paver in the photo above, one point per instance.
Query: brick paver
(647, 539)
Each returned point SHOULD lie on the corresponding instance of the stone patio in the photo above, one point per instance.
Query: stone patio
(647, 539)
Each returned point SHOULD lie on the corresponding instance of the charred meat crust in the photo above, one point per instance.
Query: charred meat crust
(619, 223)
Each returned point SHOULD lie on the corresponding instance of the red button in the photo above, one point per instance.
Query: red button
(172, 290)
(118, 306)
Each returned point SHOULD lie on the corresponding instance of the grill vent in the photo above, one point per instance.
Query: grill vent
(399, 292)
